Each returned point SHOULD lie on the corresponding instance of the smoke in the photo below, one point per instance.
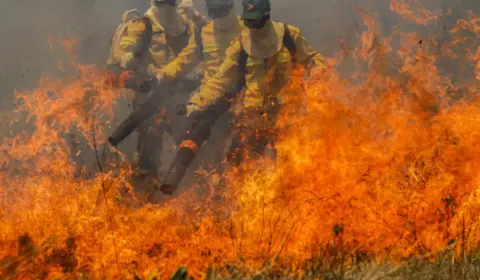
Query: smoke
(30, 32)
(27, 26)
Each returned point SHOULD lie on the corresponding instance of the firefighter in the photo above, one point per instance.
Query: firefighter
(216, 37)
(218, 34)
(160, 44)
(192, 13)
(260, 62)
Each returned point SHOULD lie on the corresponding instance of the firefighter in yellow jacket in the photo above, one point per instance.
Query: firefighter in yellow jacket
(218, 34)
(260, 63)
(269, 49)
(216, 37)
(162, 44)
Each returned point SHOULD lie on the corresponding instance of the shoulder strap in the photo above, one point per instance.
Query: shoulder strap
(289, 44)
(242, 67)
(242, 60)
(192, 14)
(199, 42)
(146, 38)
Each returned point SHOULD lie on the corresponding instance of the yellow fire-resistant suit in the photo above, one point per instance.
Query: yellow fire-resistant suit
(263, 82)
(215, 42)
(170, 56)
(259, 71)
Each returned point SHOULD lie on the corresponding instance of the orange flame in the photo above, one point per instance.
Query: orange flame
(383, 162)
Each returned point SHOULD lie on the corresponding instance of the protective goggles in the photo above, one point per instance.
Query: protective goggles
(172, 3)
(218, 11)
(256, 23)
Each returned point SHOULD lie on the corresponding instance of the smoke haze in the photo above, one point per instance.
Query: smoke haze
(27, 25)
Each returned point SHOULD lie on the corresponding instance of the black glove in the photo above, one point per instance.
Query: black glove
(140, 83)
(120, 77)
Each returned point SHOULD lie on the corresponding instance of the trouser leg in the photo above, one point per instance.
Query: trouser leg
(149, 140)
(251, 137)
(150, 148)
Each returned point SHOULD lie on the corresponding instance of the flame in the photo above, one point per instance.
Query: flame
(383, 162)
(414, 11)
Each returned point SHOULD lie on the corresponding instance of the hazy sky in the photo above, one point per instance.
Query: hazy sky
(26, 25)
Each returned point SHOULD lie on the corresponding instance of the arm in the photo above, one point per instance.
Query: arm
(306, 55)
(128, 48)
(192, 13)
(217, 85)
(127, 51)
(186, 60)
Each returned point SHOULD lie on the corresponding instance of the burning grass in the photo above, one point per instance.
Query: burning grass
(379, 165)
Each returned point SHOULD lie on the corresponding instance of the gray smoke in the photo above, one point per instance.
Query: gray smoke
(27, 25)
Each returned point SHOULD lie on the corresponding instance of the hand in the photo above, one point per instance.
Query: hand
(192, 110)
(130, 80)
(110, 79)
(135, 81)
(162, 79)
(316, 73)
(159, 79)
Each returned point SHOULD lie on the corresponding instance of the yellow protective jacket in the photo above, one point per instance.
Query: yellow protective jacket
(172, 56)
(264, 77)
(215, 44)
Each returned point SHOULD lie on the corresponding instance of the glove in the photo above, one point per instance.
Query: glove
(111, 75)
(192, 110)
(162, 79)
(137, 82)
(159, 79)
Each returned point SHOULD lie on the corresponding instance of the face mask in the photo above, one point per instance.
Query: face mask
(263, 42)
(225, 22)
(257, 23)
(165, 2)
(218, 11)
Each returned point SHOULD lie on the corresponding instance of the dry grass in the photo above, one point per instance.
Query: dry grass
(38, 260)
(443, 268)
